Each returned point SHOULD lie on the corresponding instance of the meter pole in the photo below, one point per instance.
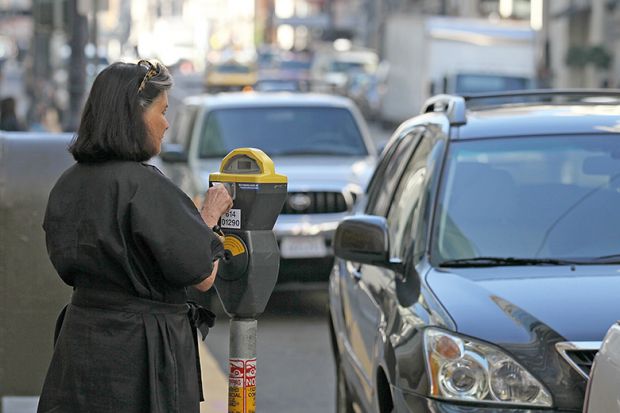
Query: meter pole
(251, 263)
(242, 366)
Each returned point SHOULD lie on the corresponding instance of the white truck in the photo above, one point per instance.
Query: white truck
(431, 55)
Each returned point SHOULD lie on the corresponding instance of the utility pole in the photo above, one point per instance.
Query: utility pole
(329, 12)
(265, 16)
(39, 73)
(596, 37)
(94, 34)
(77, 65)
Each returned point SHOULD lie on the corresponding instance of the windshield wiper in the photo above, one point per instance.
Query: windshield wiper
(607, 259)
(504, 262)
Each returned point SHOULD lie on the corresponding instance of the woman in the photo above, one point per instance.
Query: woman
(129, 242)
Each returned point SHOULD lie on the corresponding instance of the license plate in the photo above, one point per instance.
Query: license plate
(303, 247)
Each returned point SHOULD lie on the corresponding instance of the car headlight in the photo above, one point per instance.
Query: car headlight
(470, 371)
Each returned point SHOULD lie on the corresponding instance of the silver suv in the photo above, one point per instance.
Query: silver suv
(320, 142)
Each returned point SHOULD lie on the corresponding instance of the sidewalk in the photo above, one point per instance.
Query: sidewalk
(214, 383)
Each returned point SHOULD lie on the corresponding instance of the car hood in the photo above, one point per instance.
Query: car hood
(317, 173)
(511, 304)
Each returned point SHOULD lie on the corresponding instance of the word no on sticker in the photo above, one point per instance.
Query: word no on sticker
(232, 219)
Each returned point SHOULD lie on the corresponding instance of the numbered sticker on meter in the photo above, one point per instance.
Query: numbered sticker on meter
(232, 219)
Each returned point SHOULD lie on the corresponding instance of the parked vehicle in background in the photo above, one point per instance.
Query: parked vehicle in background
(463, 83)
(295, 67)
(432, 55)
(229, 76)
(602, 395)
(287, 72)
(320, 142)
(367, 90)
(274, 84)
(331, 68)
(482, 270)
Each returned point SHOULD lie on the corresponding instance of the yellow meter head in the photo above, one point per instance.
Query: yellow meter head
(258, 192)
(248, 165)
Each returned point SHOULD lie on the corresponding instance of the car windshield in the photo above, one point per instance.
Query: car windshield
(282, 131)
(276, 85)
(232, 68)
(471, 83)
(295, 65)
(343, 66)
(530, 200)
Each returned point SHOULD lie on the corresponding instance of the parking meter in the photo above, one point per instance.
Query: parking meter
(249, 271)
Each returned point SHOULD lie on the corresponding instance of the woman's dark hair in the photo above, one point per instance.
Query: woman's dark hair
(112, 125)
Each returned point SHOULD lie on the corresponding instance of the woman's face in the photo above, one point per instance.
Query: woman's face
(155, 120)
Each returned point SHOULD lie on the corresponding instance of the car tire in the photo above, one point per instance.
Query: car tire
(344, 403)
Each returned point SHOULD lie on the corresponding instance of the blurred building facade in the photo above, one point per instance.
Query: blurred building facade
(579, 40)
(64, 43)
(72, 40)
(583, 39)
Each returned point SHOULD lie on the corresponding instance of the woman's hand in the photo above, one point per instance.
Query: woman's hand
(217, 203)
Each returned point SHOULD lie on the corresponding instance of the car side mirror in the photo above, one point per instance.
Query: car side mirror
(173, 153)
(365, 239)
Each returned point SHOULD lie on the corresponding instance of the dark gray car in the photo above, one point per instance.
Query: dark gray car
(483, 272)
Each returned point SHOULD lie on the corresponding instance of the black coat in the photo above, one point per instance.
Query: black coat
(129, 242)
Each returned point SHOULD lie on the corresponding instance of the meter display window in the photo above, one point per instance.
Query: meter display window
(281, 131)
(242, 164)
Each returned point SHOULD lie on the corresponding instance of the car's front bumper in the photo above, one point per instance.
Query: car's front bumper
(405, 402)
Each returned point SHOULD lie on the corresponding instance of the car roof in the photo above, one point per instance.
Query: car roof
(267, 99)
(539, 112)
(540, 119)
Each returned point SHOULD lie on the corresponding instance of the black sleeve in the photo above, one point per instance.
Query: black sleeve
(167, 222)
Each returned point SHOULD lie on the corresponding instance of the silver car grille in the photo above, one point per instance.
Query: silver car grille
(579, 354)
(324, 202)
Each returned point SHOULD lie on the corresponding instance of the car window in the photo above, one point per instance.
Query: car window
(381, 187)
(183, 125)
(282, 131)
(540, 197)
(473, 83)
(231, 68)
(405, 208)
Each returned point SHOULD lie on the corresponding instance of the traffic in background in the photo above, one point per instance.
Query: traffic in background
(385, 57)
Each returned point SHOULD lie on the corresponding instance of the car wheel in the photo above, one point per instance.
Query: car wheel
(343, 397)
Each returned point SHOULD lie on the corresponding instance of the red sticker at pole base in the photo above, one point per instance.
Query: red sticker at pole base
(242, 386)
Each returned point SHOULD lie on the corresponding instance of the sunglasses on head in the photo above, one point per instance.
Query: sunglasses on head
(152, 71)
